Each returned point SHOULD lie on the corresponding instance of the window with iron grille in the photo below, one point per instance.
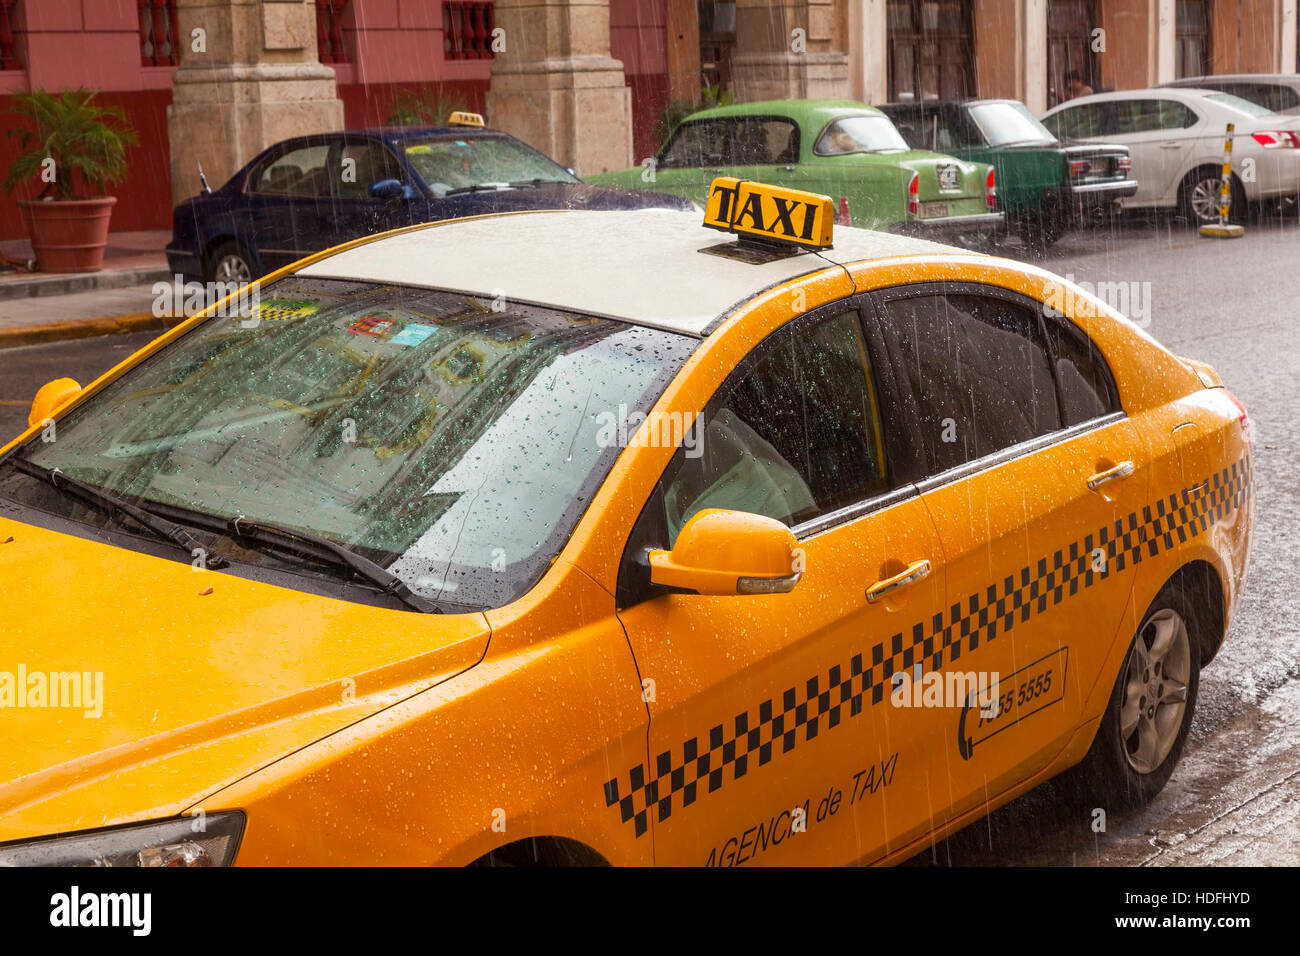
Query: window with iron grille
(158, 43)
(8, 45)
(467, 30)
(329, 30)
(1192, 38)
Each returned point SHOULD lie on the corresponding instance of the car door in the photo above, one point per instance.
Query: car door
(771, 737)
(1036, 482)
(287, 203)
(1158, 133)
(355, 165)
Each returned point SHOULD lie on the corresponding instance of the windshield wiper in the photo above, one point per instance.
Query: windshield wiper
(476, 188)
(331, 552)
(543, 182)
(113, 505)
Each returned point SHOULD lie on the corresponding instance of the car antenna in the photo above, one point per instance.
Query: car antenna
(202, 178)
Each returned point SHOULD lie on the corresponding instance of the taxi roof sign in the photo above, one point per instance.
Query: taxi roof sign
(770, 214)
(465, 118)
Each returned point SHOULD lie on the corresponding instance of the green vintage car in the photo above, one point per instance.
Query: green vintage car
(848, 151)
(1046, 187)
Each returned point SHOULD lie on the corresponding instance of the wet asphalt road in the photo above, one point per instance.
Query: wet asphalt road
(1235, 797)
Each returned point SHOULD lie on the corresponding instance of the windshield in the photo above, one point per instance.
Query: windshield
(860, 134)
(451, 439)
(1005, 123)
(1237, 103)
(446, 164)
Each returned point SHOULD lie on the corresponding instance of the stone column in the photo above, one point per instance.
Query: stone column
(1287, 60)
(791, 49)
(1031, 51)
(248, 79)
(868, 51)
(1163, 12)
(556, 87)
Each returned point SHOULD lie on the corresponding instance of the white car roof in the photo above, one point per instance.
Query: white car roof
(642, 266)
(1167, 92)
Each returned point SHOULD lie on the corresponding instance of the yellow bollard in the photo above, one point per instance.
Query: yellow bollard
(1224, 229)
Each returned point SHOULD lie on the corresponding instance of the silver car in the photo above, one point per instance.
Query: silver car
(1279, 92)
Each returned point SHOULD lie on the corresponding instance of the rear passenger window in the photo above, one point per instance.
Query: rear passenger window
(798, 436)
(299, 172)
(1087, 388)
(978, 372)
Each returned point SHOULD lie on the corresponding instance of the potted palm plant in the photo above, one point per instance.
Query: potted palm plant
(76, 150)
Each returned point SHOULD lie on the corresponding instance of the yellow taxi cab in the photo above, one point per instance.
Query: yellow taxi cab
(583, 537)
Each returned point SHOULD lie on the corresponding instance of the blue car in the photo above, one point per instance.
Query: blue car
(312, 192)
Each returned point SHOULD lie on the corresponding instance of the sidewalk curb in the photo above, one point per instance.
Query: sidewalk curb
(61, 284)
(85, 328)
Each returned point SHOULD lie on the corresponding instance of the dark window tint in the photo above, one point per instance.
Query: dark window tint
(797, 436)
(1076, 122)
(733, 141)
(299, 172)
(1147, 116)
(1087, 389)
(359, 166)
(978, 372)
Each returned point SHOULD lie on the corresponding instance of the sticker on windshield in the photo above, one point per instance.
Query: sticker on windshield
(413, 334)
(377, 325)
(274, 310)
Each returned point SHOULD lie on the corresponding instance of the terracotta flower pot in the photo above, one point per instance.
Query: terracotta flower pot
(68, 235)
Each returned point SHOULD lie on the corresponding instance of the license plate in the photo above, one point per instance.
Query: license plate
(934, 210)
(949, 177)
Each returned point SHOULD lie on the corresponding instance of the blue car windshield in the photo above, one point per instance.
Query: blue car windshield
(450, 164)
(454, 440)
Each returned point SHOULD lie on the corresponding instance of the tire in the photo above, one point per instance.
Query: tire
(1127, 770)
(1040, 231)
(229, 262)
(1198, 197)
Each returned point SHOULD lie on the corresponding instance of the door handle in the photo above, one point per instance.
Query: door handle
(916, 571)
(1171, 145)
(1123, 470)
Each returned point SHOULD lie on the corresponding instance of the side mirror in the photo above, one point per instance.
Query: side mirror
(50, 398)
(729, 552)
(388, 189)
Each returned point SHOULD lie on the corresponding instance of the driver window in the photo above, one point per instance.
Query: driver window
(796, 437)
(359, 166)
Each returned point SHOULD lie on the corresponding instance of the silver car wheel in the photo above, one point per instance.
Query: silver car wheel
(1155, 682)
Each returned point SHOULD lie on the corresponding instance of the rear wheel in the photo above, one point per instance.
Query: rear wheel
(1041, 230)
(1199, 197)
(1145, 727)
(230, 262)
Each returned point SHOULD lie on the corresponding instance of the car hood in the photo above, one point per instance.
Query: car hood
(195, 679)
(556, 196)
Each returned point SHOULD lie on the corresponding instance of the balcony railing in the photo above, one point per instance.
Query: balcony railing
(8, 49)
(467, 30)
(329, 30)
(158, 43)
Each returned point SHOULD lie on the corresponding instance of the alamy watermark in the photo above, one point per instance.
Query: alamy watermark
(1131, 299)
(623, 429)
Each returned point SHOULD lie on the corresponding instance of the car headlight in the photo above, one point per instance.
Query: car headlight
(203, 840)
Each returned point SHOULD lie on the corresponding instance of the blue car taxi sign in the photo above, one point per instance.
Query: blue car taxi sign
(771, 214)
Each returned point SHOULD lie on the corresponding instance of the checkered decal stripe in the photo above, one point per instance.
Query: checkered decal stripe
(803, 712)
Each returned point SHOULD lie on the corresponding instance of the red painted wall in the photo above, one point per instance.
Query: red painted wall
(637, 34)
(95, 43)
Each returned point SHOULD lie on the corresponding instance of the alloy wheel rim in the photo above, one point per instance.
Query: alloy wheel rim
(1156, 678)
(1205, 199)
(232, 268)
